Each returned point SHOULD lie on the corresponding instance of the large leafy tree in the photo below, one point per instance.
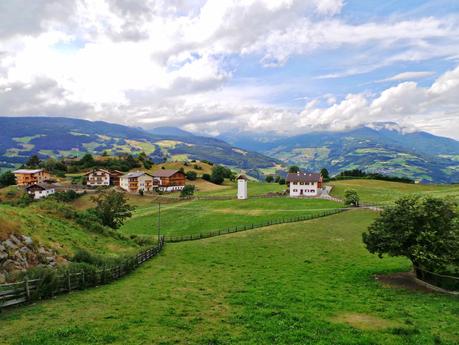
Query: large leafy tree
(33, 162)
(351, 198)
(7, 179)
(293, 169)
(324, 173)
(425, 230)
(112, 208)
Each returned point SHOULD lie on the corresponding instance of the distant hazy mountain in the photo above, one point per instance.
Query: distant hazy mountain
(20, 137)
(382, 147)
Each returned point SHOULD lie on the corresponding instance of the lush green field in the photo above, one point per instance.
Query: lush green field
(301, 283)
(253, 189)
(384, 192)
(201, 216)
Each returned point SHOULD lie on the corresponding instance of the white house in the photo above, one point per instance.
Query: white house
(304, 184)
(242, 187)
(138, 181)
(40, 190)
(98, 178)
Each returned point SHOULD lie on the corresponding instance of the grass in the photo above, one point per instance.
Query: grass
(301, 283)
(63, 235)
(253, 189)
(202, 216)
(384, 192)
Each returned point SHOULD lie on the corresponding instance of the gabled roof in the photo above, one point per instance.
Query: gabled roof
(94, 170)
(164, 173)
(304, 177)
(42, 186)
(242, 177)
(27, 171)
(135, 174)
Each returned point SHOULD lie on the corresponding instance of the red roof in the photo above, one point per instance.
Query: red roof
(164, 173)
(304, 177)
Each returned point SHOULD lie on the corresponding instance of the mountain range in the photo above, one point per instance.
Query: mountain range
(383, 147)
(21, 137)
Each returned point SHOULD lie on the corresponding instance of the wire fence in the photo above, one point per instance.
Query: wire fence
(30, 290)
(245, 227)
(443, 281)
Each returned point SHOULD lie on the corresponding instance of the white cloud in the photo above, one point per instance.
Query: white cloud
(166, 62)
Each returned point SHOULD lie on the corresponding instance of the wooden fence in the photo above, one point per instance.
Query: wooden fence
(447, 282)
(250, 226)
(30, 290)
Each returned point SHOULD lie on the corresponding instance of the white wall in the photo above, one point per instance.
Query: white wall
(241, 189)
(298, 189)
(43, 194)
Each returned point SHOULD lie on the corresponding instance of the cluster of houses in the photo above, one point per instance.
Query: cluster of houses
(37, 181)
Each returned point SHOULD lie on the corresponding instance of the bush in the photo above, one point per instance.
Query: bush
(281, 181)
(206, 177)
(269, 179)
(7, 179)
(188, 190)
(191, 175)
(351, 198)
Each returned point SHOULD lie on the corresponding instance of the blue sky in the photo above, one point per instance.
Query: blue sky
(210, 66)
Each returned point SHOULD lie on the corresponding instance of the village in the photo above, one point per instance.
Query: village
(39, 183)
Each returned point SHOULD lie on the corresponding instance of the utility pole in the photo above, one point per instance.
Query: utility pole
(159, 221)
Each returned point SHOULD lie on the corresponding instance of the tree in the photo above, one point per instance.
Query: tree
(112, 208)
(218, 174)
(425, 230)
(269, 178)
(7, 179)
(282, 180)
(33, 161)
(87, 161)
(206, 177)
(277, 179)
(324, 173)
(188, 190)
(191, 175)
(293, 169)
(351, 198)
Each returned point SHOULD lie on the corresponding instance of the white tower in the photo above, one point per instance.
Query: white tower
(242, 187)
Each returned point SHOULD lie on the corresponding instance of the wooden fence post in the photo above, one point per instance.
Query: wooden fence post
(27, 288)
(69, 285)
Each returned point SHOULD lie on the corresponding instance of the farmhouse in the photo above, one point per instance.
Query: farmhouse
(304, 184)
(98, 177)
(40, 190)
(26, 177)
(170, 180)
(137, 181)
(102, 177)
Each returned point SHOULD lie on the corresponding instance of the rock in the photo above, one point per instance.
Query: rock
(2, 248)
(3, 255)
(2, 278)
(9, 244)
(27, 240)
(9, 265)
(24, 250)
(42, 251)
(15, 240)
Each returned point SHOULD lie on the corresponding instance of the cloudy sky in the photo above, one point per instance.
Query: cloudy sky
(213, 66)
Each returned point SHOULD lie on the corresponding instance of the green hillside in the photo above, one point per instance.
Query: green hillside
(302, 283)
(383, 192)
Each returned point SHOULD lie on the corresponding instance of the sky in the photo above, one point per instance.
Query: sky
(216, 66)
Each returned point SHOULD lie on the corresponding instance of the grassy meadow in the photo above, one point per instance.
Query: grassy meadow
(201, 216)
(302, 283)
(384, 192)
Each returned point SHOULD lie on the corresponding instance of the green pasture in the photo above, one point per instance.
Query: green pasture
(302, 283)
(253, 189)
(385, 192)
(202, 216)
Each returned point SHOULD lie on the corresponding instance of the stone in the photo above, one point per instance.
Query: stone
(9, 244)
(15, 240)
(9, 265)
(3, 255)
(2, 278)
(2, 248)
(24, 250)
(42, 251)
(27, 240)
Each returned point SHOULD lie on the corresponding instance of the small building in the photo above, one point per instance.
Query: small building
(115, 176)
(304, 184)
(27, 177)
(40, 190)
(137, 181)
(242, 187)
(170, 180)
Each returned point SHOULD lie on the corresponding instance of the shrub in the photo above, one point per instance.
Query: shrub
(351, 198)
(188, 190)
(269, 179)
(206, 177)
(7, 179)
(191, 175)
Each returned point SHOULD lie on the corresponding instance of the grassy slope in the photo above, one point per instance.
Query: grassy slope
(60, 234)
(201, 216)
(381, 192)
(287, 284)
